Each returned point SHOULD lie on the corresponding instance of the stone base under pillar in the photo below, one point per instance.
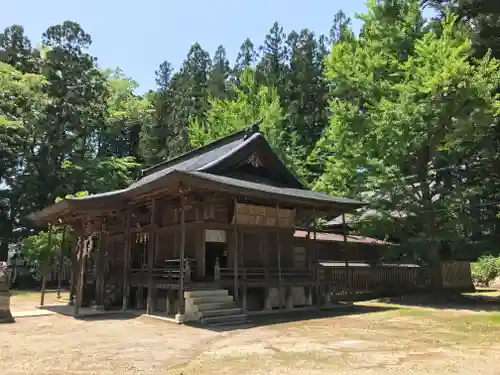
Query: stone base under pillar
(5, 314)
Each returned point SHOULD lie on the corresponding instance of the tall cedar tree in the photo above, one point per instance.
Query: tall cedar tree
(408, 106)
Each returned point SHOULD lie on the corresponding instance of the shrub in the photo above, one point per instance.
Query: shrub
(485, 270)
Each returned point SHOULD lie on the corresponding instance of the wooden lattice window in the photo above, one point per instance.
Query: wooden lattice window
(209, 211)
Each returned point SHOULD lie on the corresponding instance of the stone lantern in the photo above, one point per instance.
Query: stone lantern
(5, 314)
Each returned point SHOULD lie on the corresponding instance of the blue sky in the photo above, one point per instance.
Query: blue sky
(138, 35)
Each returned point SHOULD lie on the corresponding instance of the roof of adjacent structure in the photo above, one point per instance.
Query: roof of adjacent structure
(333, 237)
(207, 166)
(364, 216)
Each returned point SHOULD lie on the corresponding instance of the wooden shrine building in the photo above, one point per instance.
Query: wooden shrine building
(206, 235)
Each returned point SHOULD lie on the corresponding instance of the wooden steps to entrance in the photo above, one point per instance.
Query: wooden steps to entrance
(214, 307)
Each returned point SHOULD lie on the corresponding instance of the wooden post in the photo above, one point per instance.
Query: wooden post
(151, 249)
(347, 275)
(103, 249)
(316, 268)
(243, 271)
(128, 243)
(45, 269)
(99, 283)
(61, 262)
(278, 246)
(244, 293)
(182, 251)
(81, 277)
(74, 268)
(235, 262)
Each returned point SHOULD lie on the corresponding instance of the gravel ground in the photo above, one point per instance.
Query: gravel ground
(389, 341)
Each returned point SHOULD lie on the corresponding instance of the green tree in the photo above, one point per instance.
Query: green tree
(218, 86)
(481, 18)
(408, 107)
(37, 250)
(252, 102)
(21, 103)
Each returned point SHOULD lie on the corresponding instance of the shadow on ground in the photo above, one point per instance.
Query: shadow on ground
(456, 301)
(293, 316)
(88, 314)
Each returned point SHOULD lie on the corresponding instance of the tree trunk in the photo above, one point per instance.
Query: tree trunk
(435, 268)
(45, 271)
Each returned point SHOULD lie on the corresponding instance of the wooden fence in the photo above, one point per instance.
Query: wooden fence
(457, 276)
(363, 279)
(360, 279)
(26, 276)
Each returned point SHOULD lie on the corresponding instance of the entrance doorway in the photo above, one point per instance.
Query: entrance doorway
(214, 250)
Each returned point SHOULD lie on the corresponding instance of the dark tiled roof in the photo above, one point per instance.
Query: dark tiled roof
(279, 191)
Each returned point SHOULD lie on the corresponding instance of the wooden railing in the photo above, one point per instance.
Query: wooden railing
(365, 279)
(168, 270)
(255, 274)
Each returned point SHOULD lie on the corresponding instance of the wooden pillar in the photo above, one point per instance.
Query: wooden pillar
(61, 262)
(151, 249)
(241, 240)
(235, 262)
(346, 258)
(278, 248)
(316, 267)
(181, 252)
(74, 268)
(46, 268)
(126, 261)
(103, 248)
(76, 272)
(81, 277)
(99, 284)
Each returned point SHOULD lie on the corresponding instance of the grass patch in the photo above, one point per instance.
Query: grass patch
(483, 293)
(491, 318)
(24, 293)
(413, 312)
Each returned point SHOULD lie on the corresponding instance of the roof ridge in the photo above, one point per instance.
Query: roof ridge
(243, 133)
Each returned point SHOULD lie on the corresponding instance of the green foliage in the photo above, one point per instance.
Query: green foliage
(36, 249)
(485, 270)
(402, 116)
(252, 102)
(78, 194)
(410, 107)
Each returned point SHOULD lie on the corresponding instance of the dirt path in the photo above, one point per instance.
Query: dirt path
(382, 341)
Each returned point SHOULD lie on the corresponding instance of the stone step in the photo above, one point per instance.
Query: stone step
(214, 306)
(220, 312)
(206, 293)
(232, 319)
(212, 299)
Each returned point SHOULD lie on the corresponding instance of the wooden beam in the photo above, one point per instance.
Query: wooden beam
(45, 268)
(151, 249)
(128, 243)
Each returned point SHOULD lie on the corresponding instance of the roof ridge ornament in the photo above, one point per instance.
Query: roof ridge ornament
(253, 129)
(254, 161)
